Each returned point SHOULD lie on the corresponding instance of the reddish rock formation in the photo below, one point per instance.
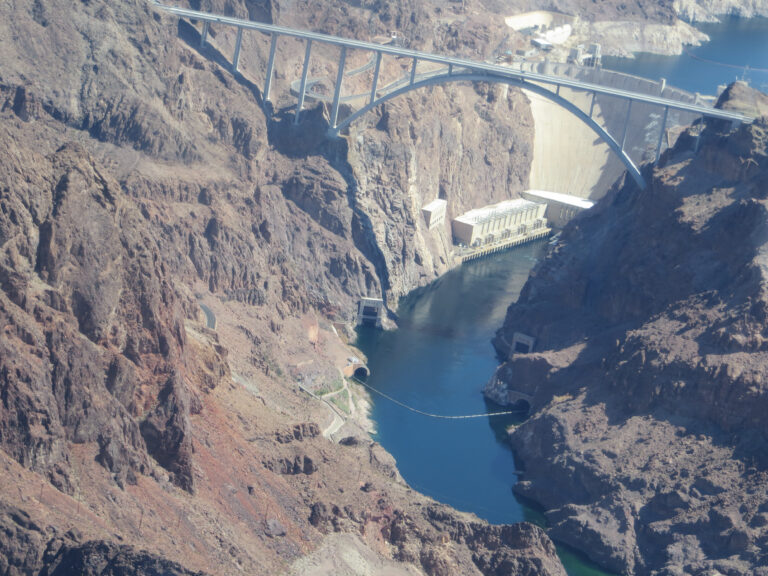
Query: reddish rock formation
(138, 175)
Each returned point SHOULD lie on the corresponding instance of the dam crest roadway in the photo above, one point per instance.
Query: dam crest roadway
(445, 69)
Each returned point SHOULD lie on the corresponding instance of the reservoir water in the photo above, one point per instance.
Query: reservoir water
(737, 50)
(441, 356)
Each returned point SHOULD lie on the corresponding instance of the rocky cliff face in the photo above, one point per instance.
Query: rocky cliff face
(30, 548)
(625, 28)
(138, 175)
(469, 154)
(663, 12)
(470, 145)
(711, 10)
(93, 335)
(647, 384)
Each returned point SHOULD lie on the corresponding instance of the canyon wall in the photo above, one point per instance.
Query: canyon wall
(712, 10)
(646, 442)
(139, 177)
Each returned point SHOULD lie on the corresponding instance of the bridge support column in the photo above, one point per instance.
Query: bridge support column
(661, 135)
(626, 126)
(303, 86)
(592, 104)
(337, 88)
(413, 70)
(238, 43)
(204, 34)
(270, 67)
(375, 84)
(558, 90)
(450, 69)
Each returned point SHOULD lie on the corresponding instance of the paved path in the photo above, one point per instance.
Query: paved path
(337, 421)
(210, 317)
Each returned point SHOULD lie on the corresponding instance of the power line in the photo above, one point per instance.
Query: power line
(441, 416)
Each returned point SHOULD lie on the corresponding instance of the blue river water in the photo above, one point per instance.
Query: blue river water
(441, 356)
(438, 361)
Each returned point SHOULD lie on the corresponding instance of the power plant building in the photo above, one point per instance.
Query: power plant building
(561, 208)
(499, 222)
(434, 213)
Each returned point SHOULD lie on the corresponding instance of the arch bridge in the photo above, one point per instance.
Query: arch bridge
(443, 69)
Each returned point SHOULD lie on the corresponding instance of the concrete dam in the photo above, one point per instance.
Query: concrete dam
(569, 159)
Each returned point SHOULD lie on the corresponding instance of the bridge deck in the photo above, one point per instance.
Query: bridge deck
(491, 70)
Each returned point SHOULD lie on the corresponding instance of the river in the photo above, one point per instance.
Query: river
(438, 361)
(441, 356)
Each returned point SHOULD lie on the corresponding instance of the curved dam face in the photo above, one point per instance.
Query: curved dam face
(567, 155)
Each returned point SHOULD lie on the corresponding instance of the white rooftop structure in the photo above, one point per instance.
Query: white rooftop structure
(501, 222)
(434, 212)
(569, 199)
(478, 214)
(561, 208)
(435, 205)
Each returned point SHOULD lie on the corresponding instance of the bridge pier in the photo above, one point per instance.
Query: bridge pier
(661, 134)
(303, 86)
(413, 71)
(270, 67)
(375, 84)
(204, 34)
(337, 88)
(236, 57)
(592, 104)
(626, 126)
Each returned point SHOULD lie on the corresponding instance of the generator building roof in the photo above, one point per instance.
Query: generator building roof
(495, 211)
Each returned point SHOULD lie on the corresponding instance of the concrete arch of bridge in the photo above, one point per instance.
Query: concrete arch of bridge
(556, 98)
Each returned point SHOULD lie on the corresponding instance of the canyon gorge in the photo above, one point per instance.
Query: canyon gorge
(139, 178)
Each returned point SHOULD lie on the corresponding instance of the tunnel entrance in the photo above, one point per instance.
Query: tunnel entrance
(523, 406)
(362, 373)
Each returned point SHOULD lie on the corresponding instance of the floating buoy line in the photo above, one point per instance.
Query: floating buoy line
(745, 68)
(440, 416)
